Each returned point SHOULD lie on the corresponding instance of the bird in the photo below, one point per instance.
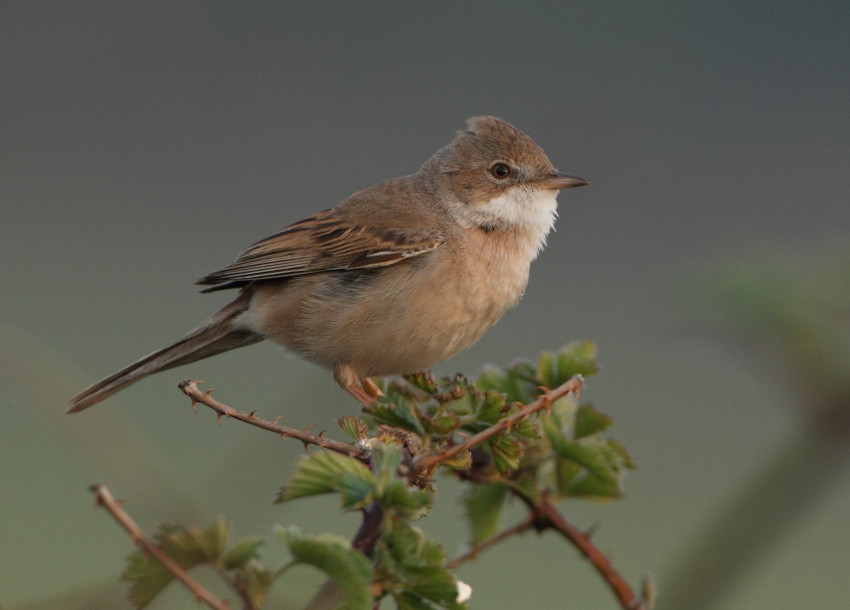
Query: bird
(396, 278)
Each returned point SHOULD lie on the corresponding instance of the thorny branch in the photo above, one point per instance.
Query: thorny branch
(542, 516)
(473, 552)
(104, 498)
(190, 389)
(542, 513)
(547, 517)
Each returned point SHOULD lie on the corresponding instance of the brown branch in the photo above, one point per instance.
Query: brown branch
(190, 389)
(472, 553)
(543, 402)
(105, 499)
(548, 517)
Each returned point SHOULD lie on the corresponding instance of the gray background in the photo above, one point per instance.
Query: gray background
(143, 145)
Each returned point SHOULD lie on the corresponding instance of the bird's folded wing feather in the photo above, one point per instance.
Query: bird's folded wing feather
(324, 242)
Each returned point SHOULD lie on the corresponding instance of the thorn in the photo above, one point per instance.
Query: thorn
(277, 419)
(283, 437)
(218, 415)
(306, 446)
(321, 434)
(209, 392)
(253, 414)
(310, 427)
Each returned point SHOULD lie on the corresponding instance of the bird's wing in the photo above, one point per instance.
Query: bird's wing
(324, 242)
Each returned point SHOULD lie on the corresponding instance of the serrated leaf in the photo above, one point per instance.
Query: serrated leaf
(490, 409)
(602, 462)
(593, 487)
(350, 570)
(354, 427)
(507, 452)
(484, 504)
(424, 381)
(518, 383)
(385, 463)
(444, 423)
(187, 546)
(405, 501)
(579, 358)
(193, 545)
(355, 492)
(590, 421)
(397, 412)
(329, 472)
(428, 588)
(242, 552)
(147, 576)
(591, 453)
(412, 569)
(567, 473)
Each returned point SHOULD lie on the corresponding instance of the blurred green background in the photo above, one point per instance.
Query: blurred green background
(143, 145)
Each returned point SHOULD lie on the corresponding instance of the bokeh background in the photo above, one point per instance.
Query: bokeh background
(145, 144)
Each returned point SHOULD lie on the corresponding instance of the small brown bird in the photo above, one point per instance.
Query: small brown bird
(395, 279)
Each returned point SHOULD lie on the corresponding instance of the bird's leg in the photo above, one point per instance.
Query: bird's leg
(360, 394)
(365, 391)
(371, 387)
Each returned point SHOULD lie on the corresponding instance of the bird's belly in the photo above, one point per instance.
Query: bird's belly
(385, 321)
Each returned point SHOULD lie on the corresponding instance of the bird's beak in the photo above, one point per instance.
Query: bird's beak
(559, 180)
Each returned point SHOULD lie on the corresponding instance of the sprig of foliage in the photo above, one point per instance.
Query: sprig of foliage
(557, 453)
(193, 546)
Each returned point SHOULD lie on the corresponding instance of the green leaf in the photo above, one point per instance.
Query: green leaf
(350, 570)
(192, 545)
(591, 466)
(147, 576)
(428, 588)
(394, 494)
(424, 381)
(519, 383)
(354, 427)
(590, 421)
(385, 463)
(506, 451)
(329, 472)
(411, 569)
(242, 552)
(394, 410)
(406, 501)
(484, 503)
(188, 547)
(574, 359)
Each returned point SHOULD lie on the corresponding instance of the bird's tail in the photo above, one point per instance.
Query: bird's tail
(218, 334)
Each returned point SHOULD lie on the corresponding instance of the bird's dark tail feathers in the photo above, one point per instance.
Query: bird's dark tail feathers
(218, 334)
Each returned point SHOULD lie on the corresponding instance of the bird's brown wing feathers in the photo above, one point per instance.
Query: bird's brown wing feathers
(324, 242)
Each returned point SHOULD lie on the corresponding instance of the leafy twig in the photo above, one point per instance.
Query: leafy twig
(543, 402)
(105, 499)
(190, 389)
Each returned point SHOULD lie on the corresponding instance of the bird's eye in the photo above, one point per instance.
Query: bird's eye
(500, 170)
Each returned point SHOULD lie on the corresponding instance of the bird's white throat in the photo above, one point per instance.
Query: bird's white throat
(531, 211)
